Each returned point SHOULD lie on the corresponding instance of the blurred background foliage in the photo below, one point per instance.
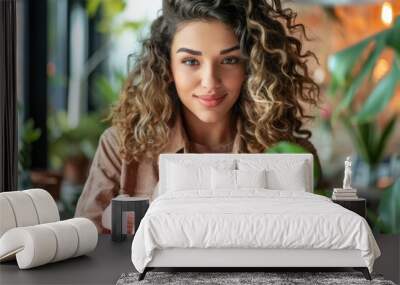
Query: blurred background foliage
(70, 141)
(361, 121)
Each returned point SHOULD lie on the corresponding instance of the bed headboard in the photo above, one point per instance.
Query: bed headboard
(277, 161)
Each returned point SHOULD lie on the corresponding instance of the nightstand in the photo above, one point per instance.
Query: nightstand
(356, 205)
(121, 207)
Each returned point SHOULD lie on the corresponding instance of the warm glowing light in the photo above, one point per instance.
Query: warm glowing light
(387, 13)
(381, 68)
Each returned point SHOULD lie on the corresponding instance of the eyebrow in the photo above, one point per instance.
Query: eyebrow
(196, 52)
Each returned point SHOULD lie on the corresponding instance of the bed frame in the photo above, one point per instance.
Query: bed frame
(244, 259)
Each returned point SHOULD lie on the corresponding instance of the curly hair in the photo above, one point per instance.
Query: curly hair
(271, 103)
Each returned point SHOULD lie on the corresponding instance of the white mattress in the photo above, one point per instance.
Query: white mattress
(252, 218)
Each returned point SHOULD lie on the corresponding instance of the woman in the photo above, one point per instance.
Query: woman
(214, 76)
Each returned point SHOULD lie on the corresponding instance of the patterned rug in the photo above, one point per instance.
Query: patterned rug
(229, 278)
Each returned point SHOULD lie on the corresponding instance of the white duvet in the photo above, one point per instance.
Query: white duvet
(252, 218)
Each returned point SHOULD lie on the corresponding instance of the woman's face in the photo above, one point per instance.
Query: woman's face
(208, 69)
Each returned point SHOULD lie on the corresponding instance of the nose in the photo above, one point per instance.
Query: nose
(211, 79)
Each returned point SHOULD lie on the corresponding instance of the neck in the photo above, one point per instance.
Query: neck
(209, 134)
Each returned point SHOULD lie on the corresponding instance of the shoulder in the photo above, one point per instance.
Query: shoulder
(110, 136)
(108, 147)
(109, 141)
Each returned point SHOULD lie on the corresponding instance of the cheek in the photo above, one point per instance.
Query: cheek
(233, 81)
(184, 80)
(233, 85)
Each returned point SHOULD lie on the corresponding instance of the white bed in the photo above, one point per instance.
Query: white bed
(248, 210)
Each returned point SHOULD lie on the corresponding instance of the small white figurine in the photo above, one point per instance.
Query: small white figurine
(347, 174)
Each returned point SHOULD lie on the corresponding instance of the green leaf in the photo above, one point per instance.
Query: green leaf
(389, 208)
(65, 141)
(359, 78)
(356, 136)
(381, 145)
(366, 135)
(107, 93)
(323, 192)
(115, 6)
(341, 64)
(286, 147)
(128, 26)
(380, 96)
(103, 27)
(393, 39)
(29, 133)
(333, 87)
(92, 7)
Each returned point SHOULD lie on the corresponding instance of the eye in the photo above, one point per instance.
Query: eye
(227, 60)
(190, 61)
(231, 60)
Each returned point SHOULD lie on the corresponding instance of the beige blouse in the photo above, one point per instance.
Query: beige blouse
(110, 176)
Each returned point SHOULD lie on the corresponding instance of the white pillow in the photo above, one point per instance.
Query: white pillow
(251, 178)
(295, 180)
(282, 174)
(182, 178)
(185, 175)
(237, 179)
(223, 179)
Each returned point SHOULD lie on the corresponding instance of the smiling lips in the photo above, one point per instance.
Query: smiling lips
(210, 101)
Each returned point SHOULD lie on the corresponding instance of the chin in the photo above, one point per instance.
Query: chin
(208, 117)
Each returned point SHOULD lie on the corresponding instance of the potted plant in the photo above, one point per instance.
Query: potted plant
(71, 150)
(359, 112)
(29, 134)
(362, 98)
